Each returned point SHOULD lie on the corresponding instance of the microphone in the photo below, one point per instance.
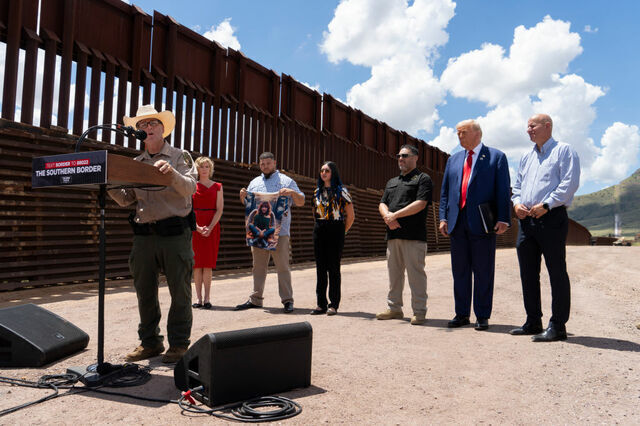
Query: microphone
(130, 131)
(119, 128)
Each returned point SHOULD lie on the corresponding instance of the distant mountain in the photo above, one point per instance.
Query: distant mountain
(596, 211)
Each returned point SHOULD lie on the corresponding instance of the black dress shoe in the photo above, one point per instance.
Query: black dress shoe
(482, 324)
(458, 321)
(246, 305)
(551, 334)
(318, 311)
(288, 307)
(526, 329)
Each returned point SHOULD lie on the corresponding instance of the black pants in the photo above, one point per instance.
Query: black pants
(328, 242)
(546, 237)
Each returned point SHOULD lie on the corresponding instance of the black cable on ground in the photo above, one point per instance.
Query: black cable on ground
(134, 375)
(128, 375)
(25, 383)
(249, 411)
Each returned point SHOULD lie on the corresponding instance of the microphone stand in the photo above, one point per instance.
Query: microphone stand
(96, 374)
(119, 128)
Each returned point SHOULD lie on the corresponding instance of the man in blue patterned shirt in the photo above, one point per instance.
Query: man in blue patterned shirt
(547, 179)
(271, 180)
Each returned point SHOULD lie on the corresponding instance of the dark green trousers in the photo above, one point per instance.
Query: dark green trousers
(173, 256)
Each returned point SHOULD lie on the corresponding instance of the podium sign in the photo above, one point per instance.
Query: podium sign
(94, 168)
(78, 168)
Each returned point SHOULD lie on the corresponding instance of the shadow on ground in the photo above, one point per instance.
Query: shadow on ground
(160, 390)
(54, 294)
(605, 343)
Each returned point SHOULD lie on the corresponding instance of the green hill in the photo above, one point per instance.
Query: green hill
(596, 211)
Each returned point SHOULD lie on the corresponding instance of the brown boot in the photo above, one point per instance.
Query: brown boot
(418, 319)
(173, 355)
(389, 314)
(142, 352)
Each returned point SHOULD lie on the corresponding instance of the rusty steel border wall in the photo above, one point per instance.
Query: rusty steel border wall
(49, 236)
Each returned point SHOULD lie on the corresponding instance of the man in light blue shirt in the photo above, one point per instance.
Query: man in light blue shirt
(271, 180)
(547, 179)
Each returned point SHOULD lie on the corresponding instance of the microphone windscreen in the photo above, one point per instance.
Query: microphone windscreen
(140, 134)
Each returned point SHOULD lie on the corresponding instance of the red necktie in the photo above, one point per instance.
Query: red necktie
(466, 174)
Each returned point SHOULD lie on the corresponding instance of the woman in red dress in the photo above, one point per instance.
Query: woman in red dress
(208, 204)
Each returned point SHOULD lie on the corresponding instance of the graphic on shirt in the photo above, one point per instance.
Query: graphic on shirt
(329, 206)
(263, 215)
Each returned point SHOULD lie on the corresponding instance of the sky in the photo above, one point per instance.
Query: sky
(424, 65)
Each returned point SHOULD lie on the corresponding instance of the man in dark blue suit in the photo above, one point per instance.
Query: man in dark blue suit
(473, 177)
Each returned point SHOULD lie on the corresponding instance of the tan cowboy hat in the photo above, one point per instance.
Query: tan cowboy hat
(148, 111)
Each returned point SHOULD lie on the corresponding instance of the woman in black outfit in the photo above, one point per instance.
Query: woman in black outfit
(334, 215)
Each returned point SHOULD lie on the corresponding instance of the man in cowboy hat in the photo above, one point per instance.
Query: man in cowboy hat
(162, 238)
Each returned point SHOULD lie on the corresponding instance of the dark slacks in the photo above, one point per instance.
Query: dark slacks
(546, 237)
(173, 256)
(472, 254)
(328, 242)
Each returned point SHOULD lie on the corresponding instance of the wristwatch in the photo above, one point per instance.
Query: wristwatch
(546, 206)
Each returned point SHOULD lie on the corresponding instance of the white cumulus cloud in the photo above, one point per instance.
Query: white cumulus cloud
(398, 41)
(532, 78)
(620, 146)
(315, 87)
(446, 140)
(224, 34)
(504, 127)
(535, 56)
(365, 32)
(402, 91)
(570, 103)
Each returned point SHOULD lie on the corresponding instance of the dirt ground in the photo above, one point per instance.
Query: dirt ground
(366, 371)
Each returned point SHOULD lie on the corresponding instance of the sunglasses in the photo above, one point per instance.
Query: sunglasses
(325, 171)
(147, 124)
(399, 156)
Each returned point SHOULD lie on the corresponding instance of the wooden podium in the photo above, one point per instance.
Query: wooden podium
(96, 170)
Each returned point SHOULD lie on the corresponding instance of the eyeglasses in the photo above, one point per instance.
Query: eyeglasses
(325, 171)
(399, 156)
(145, 124)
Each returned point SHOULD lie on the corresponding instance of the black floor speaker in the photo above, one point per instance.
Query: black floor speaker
(31, 336)
(239, 365)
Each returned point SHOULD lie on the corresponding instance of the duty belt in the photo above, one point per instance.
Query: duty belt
(168, 227)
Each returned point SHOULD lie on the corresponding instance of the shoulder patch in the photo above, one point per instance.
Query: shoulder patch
(187, 159)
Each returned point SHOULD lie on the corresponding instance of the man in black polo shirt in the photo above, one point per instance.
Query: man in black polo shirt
(404, 210)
